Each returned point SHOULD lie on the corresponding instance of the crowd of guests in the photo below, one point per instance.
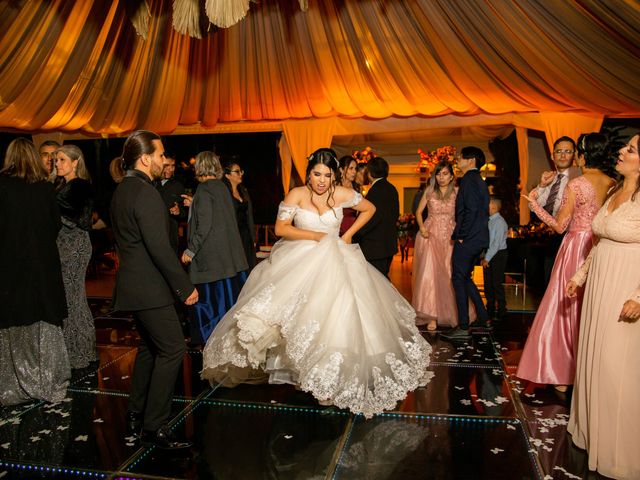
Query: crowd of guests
(584, 334)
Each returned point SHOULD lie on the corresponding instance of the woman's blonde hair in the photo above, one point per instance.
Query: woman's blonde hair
(22, 161)
(74, 153)
(208, 165)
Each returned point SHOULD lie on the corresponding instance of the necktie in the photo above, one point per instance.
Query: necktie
(553, 194)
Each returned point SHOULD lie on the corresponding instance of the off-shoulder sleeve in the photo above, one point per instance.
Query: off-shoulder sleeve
(355, 200)
(580, 277)
(286, 212)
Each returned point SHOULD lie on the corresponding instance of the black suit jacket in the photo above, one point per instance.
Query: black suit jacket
(379, 237)
(472, 210)
(149, 274)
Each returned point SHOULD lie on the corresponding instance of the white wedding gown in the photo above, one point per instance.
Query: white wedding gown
(318, 316)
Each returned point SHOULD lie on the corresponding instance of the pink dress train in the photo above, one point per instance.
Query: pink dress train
(433, 296)
(549, 355)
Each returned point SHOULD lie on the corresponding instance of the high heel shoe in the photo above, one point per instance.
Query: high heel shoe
(432, 326)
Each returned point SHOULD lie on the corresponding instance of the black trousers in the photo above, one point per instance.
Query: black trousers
(381, 264)
(465, 255)
(493, 283)
(157, 365)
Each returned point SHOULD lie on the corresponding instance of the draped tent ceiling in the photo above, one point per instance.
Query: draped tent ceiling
(487, 65)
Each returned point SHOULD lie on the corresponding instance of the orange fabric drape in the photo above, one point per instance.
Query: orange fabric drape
(572, 125)
(523, 158)
(79, 66)
(299, 140)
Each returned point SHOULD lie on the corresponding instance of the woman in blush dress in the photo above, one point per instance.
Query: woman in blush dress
(75, 200)
(433, 296)
(347, 178)
(549, 353)
(316, 314)
(605, 411)
(233, 176)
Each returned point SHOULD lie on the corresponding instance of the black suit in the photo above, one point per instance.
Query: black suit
(471, 237)
(148, 278)
(171, 193)
(378, 239)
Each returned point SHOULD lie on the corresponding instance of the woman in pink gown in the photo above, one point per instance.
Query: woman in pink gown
(433, 296)
(549, 355)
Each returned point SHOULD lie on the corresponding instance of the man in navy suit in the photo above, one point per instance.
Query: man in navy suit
(471, 237)
(378, 239)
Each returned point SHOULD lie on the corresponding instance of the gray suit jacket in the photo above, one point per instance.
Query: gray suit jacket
(150, 275)
(215, 245)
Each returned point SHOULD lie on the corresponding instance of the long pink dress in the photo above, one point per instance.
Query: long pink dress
(433, 296)
(549, 356)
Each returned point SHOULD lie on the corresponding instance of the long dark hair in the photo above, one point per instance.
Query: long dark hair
(137, 144)
(227, 166)
(343, 165)
(328, 158)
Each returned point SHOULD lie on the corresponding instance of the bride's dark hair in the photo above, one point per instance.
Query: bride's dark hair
(328, 158)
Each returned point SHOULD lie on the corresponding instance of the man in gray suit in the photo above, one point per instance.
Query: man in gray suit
(148, 279)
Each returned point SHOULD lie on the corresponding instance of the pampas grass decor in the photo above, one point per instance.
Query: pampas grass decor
(186, 17)
(225, 13)
(140, 14)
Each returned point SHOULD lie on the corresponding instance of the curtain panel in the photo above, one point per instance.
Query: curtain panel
(81, 67)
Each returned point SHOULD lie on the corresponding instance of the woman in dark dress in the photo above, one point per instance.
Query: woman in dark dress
(244, 210)
(218, 262)
(75, 200)
(33, 357)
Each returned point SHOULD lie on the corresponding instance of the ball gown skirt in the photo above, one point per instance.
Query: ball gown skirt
(319, 316)
(549, 355)
(605, 407)
(79, 329)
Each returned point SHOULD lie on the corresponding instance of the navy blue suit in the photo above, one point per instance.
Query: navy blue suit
(471, 237)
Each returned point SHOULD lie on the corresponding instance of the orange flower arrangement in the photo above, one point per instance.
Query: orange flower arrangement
(428, 160)
(364, 155)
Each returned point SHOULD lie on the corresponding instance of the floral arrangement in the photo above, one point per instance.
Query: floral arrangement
(364, 155)
(428, 160)
(405, 225)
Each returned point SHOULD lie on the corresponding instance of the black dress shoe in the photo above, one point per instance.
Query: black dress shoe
(480, 326)
(133, 424)
(163, 438)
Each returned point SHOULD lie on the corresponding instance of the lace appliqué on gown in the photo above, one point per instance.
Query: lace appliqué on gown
(317, 315)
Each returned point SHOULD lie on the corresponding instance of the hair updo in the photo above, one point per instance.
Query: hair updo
(599, 151)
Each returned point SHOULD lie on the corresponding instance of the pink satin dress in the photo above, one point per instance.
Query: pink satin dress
(549, 355)
(433, 297)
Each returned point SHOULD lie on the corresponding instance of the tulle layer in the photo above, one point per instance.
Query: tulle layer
(317, 315)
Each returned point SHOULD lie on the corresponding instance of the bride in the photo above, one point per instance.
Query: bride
(316, 314)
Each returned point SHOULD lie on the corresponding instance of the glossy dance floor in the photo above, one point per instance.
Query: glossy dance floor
(472, 421)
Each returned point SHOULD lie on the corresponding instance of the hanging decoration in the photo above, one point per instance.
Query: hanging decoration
(140, 14)
(186, 17)
(225, 13)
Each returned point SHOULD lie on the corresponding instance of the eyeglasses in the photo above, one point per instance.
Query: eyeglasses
(239, 172)
(566, 152)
